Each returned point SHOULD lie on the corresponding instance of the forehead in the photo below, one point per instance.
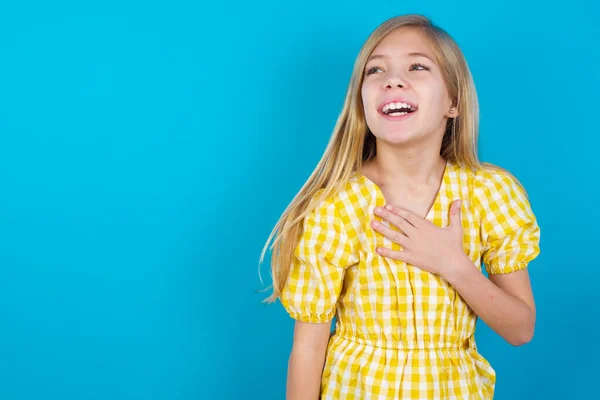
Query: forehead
(404, 41)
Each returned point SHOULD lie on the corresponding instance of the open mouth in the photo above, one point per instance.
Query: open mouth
(398, 109)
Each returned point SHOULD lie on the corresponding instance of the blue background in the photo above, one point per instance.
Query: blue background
(148, 148)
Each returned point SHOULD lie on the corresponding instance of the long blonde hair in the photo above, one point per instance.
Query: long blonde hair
(352, 143)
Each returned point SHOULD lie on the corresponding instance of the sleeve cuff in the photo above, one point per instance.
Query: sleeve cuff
(500, 268)
(311, 318)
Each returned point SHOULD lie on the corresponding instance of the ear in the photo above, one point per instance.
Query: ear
(452, 112)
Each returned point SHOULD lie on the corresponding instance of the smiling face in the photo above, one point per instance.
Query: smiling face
(404, 94)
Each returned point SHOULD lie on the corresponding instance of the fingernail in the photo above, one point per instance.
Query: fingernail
(389, 207)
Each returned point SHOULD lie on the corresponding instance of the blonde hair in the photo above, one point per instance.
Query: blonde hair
(352, 143)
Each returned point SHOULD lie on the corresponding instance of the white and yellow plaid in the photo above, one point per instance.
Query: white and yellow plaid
(402, 333)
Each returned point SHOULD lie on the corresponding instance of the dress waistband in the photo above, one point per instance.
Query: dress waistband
(396, 345)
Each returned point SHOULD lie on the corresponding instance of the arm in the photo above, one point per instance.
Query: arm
(504, 302)
(307, 360)
(510, 238)
(311, 293)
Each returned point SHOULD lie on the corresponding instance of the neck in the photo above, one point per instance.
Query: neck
(402, 167)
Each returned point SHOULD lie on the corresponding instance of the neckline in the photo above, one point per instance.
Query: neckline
(380, 196)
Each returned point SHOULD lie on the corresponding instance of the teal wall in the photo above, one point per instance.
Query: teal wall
(147, 149)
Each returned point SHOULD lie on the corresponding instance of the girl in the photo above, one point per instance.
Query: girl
(392, 229)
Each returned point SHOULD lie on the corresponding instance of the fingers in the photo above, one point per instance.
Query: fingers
(402, 256)
(411, 217)
(455, 208)
(455, 217)
(395, 219)
(394, 236)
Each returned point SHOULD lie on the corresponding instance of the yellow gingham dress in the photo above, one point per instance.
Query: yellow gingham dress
(402, 333)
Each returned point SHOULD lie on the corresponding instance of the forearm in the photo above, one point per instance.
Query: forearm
(304, 374)
(507, 315)
(307, 360)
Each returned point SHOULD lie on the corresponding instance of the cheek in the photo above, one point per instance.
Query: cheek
(439, 97)
(367, 101)
(436, 102)
(369, 95)
(364, 92)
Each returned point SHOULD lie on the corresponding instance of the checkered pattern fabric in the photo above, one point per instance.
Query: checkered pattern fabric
(402, 333)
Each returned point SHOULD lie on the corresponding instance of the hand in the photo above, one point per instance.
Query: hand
(425, 245)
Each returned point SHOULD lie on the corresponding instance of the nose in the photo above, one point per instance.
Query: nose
(395, 81)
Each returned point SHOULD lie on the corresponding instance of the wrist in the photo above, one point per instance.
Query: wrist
(458, 267)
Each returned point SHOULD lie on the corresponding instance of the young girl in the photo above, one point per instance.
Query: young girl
(392, 229)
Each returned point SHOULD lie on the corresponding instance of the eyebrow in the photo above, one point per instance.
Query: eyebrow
(415, 54)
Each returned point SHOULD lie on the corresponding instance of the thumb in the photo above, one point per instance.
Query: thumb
(455, 221)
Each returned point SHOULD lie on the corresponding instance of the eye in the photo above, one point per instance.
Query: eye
(418, 67)
(373, 70)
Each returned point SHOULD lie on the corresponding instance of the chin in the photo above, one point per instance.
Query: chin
(396, 138)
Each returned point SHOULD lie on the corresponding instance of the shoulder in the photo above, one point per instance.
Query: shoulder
(346, 198)
(497, 182)
(340, 208)
(501, 199)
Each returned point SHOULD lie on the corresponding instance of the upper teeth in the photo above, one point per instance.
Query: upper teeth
(396, 106)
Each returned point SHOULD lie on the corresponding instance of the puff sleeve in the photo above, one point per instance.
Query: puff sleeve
(510, 234)
(320, 258)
